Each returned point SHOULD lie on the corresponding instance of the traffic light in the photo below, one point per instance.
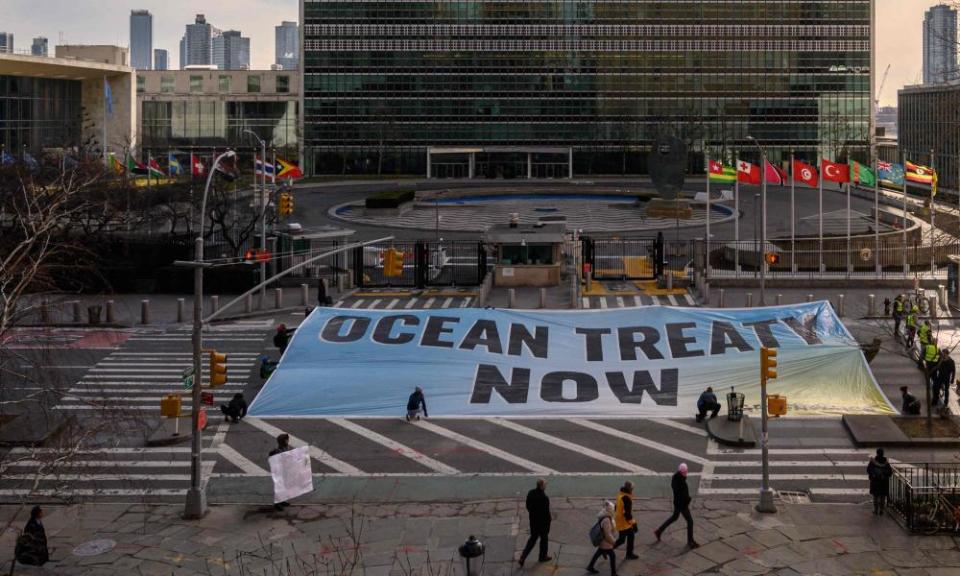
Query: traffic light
(218, 369)
(772, 258)
(768, 364)
(393, 263)
(286, 204)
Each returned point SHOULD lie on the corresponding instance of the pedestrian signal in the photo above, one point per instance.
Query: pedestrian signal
(772, 258)
(768, 364)
(393, 263)
(218, 369)
(170, 406)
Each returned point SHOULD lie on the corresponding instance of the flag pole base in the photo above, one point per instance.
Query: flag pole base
(766, 505)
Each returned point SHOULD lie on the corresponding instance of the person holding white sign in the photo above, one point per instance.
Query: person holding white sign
(283, 445)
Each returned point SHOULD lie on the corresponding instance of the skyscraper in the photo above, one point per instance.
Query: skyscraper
(196, 46)
(160, 59)
(940, 45)
(288, 45)
(6, 42)
(141, 39)
(231, 51)
(39, 46)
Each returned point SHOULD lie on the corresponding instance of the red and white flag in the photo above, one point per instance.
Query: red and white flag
(834, 172)
(775, 174)
(803, 172)
(748, 173)
(196, 166)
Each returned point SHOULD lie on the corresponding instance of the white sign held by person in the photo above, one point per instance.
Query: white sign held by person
(292, 474)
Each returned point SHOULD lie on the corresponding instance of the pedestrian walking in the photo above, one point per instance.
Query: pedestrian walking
(897, 314)
(910, 406)
(31, 546)
(538, 509)
(283, 445)
(707, 403)
(946, 374)
(879, 472)
(930, 358)
(608, 538)
(282, 338)
(681, 505)
(911, 324)
(624, 521)
(414, 404)
(236, 409)
(924, 332)
(322, 298)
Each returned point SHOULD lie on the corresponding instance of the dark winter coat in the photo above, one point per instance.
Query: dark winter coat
(538, 506)
(237, 406)
(31, 546)
(681, 493)
(946, 372)
(879, 472)
(416, 400)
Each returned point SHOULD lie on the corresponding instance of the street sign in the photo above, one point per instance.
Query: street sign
(206, 398)
(187, 378)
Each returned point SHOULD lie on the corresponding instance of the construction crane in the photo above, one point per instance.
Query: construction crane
(883, 83)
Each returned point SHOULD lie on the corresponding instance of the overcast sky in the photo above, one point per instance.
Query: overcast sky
(899, 33)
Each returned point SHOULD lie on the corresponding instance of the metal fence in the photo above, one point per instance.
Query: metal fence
(923, 496)
(425, 263)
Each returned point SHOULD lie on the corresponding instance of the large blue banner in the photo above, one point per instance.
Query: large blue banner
(652, 361)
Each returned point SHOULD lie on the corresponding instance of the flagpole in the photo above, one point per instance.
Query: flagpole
(820, 216)
(104, 119)
(763, 230)
(706, 265)
(736, 221)
(793, 231)
(933, 213)
(904, 226)
(876, 212)
(848, 230)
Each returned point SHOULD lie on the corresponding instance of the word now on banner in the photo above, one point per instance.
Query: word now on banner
(651, 361)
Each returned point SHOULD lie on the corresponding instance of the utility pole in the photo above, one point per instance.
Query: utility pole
(768, 370)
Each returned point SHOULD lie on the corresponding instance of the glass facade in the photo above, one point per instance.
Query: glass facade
(384, 80)
(217, 123)
(929, 121)
(39, 113)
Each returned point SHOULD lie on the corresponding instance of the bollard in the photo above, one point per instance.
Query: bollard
(304, 294)
(669, 280)
(109, 311)
(144, 311)
(278, 298)
(543, 298)
(809, 297)
(511, 298)
(706, 293)
(77, 314)
(872, 305)
(180, 305)
(248, 304)
(840, 302)
(779, 299)
(749, 299)
(44, 312)
(942, 296)
(933, 306)
(720, 299)
(590, 282)
(214, 304)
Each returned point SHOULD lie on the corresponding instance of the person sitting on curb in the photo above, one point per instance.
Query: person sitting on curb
(236, 409)
(707, 403)
(911, 406)
(414, 403)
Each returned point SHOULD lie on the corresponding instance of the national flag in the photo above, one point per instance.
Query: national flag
(30, 161)
(135, 167)
(196, 166)
(173, 165)
(920, 174)
(7, 159)
(891, 174)
(288, 170)
(108, 97)
(259, 168)
(228, 170)
(862, 175)
(721, 174)
(748, 173)
(117, 166)
(154, 168)
(69, 162)
(805, 173)
(834, 172)
(775, 174)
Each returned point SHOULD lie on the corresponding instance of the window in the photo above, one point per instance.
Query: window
(166, 84)
(253, 83)
(141, 84)
(196, 83)
(283, 84)
(225, 82)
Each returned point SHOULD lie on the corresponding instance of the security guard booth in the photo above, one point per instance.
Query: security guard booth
(527, 255)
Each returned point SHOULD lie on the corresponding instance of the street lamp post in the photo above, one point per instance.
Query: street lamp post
(263, 210)
(763, 217)
(196, 502)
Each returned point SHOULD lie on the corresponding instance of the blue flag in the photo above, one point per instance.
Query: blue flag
(108, 97)
(30, 161)
(7, 159)
(892, 174)
(173, 165)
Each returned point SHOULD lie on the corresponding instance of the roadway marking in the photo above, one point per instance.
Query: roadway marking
(393, 303)
(466, 302)
(240, 461)
(583, 450)
(99, 463)
(316, 453)
(682, 454)
(758, 477)
(603, 302)
(356, 303)
(98, 477)
(429, 303)
(689, 299)
(656, 300)
(680, 426)
(790, 463)
(410, 303)
(491, 450)
(375, 302)
(637, 302)
(447, 303)
(59, 492)
(106, 450)
(673, 300)
(397, 447)
(586, 302)
(620, 303)
(338, 304)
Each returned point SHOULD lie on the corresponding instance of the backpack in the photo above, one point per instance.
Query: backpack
(596, 533)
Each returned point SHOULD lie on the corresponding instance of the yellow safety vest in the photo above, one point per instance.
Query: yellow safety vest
(898, 306)
(911, 319)
(620, 520)
(924, 333)
(930, 353)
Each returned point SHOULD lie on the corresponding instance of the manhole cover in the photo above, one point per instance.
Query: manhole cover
(94, 547)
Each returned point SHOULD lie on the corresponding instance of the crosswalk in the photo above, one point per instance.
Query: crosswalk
(637, 301)
(411, 303)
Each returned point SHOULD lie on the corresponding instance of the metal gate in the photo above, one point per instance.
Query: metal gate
(624, 258)
(425, 263)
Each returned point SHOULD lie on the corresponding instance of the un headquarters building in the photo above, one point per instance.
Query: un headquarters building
(550, 88)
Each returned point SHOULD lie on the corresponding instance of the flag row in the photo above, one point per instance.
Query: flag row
(808, 174)
(198, 167)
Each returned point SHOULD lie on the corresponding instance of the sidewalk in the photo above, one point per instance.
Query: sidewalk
(410, 538)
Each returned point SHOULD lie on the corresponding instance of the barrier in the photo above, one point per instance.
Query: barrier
(144, 311)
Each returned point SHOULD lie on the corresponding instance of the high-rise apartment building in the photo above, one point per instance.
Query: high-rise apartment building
(40, 46)
(160, 59)
(141, 39)
(940, 45)
(484, 84)
(196, 46)
(6, 42)
(231, 51)
(288, 45)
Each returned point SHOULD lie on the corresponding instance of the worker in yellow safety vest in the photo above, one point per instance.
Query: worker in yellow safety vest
(924, 333)
(931, 359)
(897, 314)
(912, 324)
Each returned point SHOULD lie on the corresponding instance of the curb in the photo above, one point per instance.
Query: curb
(748, 441)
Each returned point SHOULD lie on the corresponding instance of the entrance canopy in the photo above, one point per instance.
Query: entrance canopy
(518, 161)
(652, 361)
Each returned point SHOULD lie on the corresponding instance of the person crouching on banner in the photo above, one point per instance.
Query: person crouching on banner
(707, 403)
(282, 338)
(911, 406)
(283, 445)
(236, 409)
(414, 404)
